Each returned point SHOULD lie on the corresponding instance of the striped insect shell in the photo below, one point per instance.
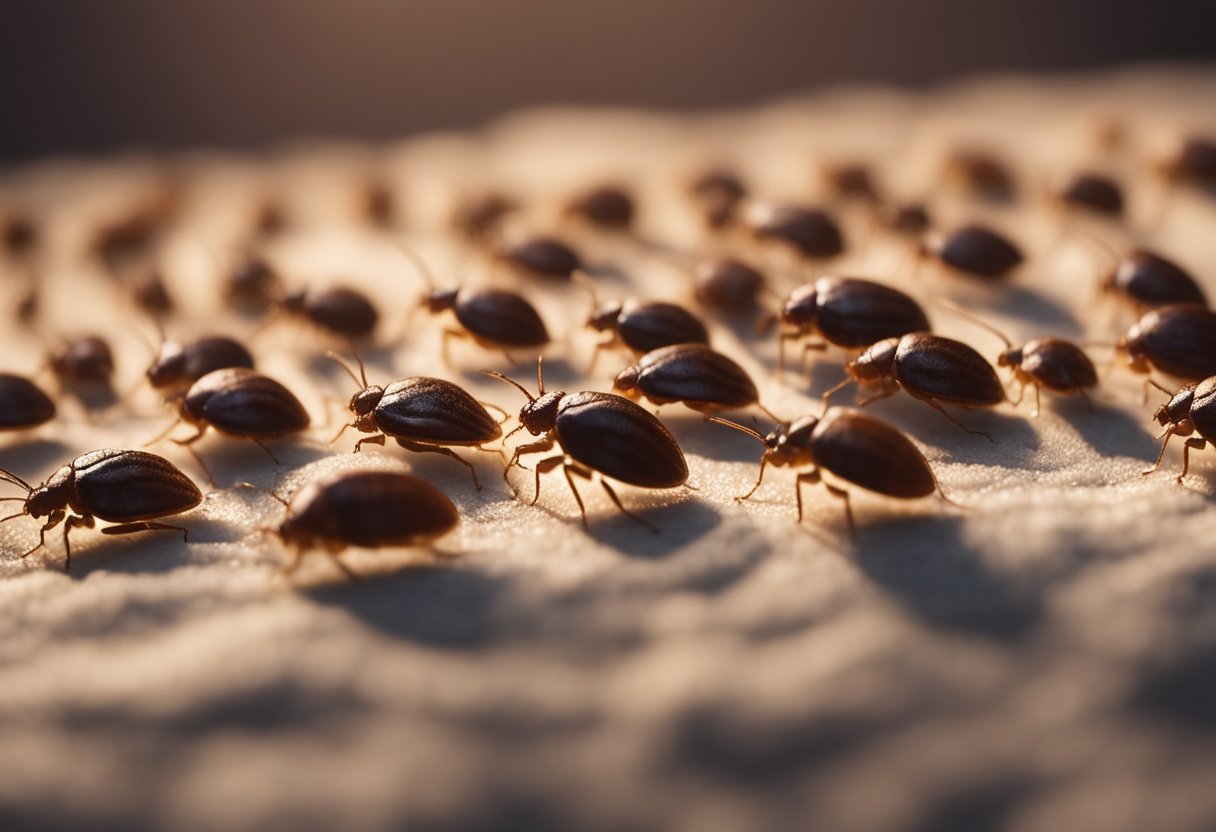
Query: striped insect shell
(696, 375)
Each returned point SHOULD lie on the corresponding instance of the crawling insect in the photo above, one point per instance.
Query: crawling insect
(908, 218)
(495, 319)
(1092, 192)
(852, 446)
(1192, 162)
(974, 250)
(1146, 280)
(147, 288)
(718, 192)
(1059, 365)
(84, 366)
(597, 432)
(366, 509)
(178, 365)
(131, 488)
(1191, 410)
(423, 414)
(728, 286)
(851, 180)
(240, 403)
(339, 310)
(810, 231)
(641, 326)
(607, 206)
(477, 217)
(1179, 340)
(693, 374)
(252, 283)
(848, 312)
(22, 403)
(539, 256)
(931, 368)
(981, 174)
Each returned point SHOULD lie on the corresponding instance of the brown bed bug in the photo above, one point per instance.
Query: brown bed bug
(365, 509)
(810, 231)
(1179, 340)
(851, 180)
(539, 256)
(1192, 162)
(718, 192)
(848, 312)
(698, 377)
(339, 310)
(84, 366)
(1059, 365)
(251, 283)
(147, 288)
(180, 364)
(727, 285)
(936, 370)
(597, 432)
(1092, 192)
(909, 218)
(131, 488)
(981, 174)
(477, 217)
(22, 403)
(974, 250)
(242, 404)
(1148, 280)
(496, 319)
(641, 326)
(607, 206)
(424, 415)
(850, 445)
(1191, 410)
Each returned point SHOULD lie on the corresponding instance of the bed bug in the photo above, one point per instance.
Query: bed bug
(1059, 365)
(727, 285)
(641, 326)
(1179, 340)
(852, 446)
(539, 256)
(340, 310)
(981, 174)
(974, 250)
(851, 180)
(597, 432)
(180, 364)
(251, 282)
(936, 370)
(848, 312)
(423, 414)
(607, 206)
(910, 218)
(22, 403)
(1148, 280)
(243, 404)
(496, 319)
(700, 378)
(131, 488)
(1092, 192)
(84, 365)
(718, 192)
(148, 290)
(810, 231)
(479, 216)
(1191, 410)
(1193, 162)
(365, 509)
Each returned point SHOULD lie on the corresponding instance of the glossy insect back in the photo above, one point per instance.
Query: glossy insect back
(1179, 340)
(22, 403)
(340, 310)
(851, 312)
(975, 250)
(1192, 410)
(1149, 281)
(182, 364)
(241, 402)
(809, 231)
(699, 377)
(540, 256)
(620, 439)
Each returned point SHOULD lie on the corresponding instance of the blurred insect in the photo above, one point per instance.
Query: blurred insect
(1192, 162)
(131, 488)
(640, 326)
(252, 283)
(1092, 192)
(478, 217)
(365, 509)
(597, 433)
(717, 192)
(936, 370)
(179, 364)
(84, 367)
(809, 231)
(850, 445)
(607, 206)
(23, 404)
(423, 414)
(851, 180)
(908, 218)
(728, 286)
(981, 174)
(973, 250)
(539, 256)
(1191, 410)
(694, 375)
(338, 310)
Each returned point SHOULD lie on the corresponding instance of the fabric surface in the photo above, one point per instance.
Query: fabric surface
(1041, 657)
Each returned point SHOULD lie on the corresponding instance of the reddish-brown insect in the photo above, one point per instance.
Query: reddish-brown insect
(851, 180)
(608, 206)
(698, 377)
(1193, 162)
(1092, 192)
(717, 192)
(850, 445)
(728, 286)
(22, 403)
(1148, 280)
(1192, 410)
(179, 365)
(340, 310)
(131, 488)
(809, 231)
(908, 218)
(478, 217)
(1179, 340)
(974, 250)
(641, 326)
(84, 366)
(981, 174)
(597, 432)
(540, 256)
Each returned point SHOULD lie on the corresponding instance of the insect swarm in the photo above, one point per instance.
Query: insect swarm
(365, 509)
(851, 445)
(931, 368)
(1191, 410)
(597, 433)
(131, 488)
(423, 414)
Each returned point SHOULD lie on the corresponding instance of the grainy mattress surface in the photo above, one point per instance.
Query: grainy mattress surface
(1042, 658)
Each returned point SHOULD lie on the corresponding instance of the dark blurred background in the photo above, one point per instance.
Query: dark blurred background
(85, 76)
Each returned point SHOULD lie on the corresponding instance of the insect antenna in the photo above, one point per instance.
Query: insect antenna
(12, 517)
(540, 374)
(583, 279)
(11, 478)
(420, 265)
(510, 381)
(752, 432)
(333, 356)
(975, 319)
(251, 487)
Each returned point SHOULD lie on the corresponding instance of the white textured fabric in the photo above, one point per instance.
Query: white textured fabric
(1042, 659)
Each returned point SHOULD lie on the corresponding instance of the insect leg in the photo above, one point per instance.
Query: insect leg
(807, 349)
(933, 403)
(759, 479)
(1089, 405)
(449, 334)
(595, 354)
(269, 452)
(55, 518)
(420, 448)
(782, 337)
(543, 467)
(338, 435)
(531, 448)
(848, 507)
(492, 406)
(1196, 442)
(84, 522)
(1038, 402)
(1169, 434)
(567, 469)
(378, 439)
(617, 501)
(836, 389)
(207, 471)
(811, 477)
(501, 453)
(887, 390)
(144, 526)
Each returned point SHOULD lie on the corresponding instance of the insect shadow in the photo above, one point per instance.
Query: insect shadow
(680, 523)
(148, 554)
(1179, 691)
(705, 439)
(933, 573)
(1109, 430)
(237, 461)
(1026, 304)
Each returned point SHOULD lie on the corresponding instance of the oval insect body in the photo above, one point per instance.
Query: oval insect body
(180, 364)
(1093, 192)
(616, 437)
(945, 370)
(1060, 366)
(243, 403)
(608, 206)
(127, 486)
(1151, 281)
(368, 509)
(84, 360)
(1179, 340)
(338, 309)
(500, 318)
(851, 312)
(433, 410)
(810, 231)
(22, 403)
(701, 378)
(727, 285)
(643, 326)
(541, 256)
(870, 453)
(975, 250)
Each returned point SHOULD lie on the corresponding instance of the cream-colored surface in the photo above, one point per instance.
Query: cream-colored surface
(1044, 659)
